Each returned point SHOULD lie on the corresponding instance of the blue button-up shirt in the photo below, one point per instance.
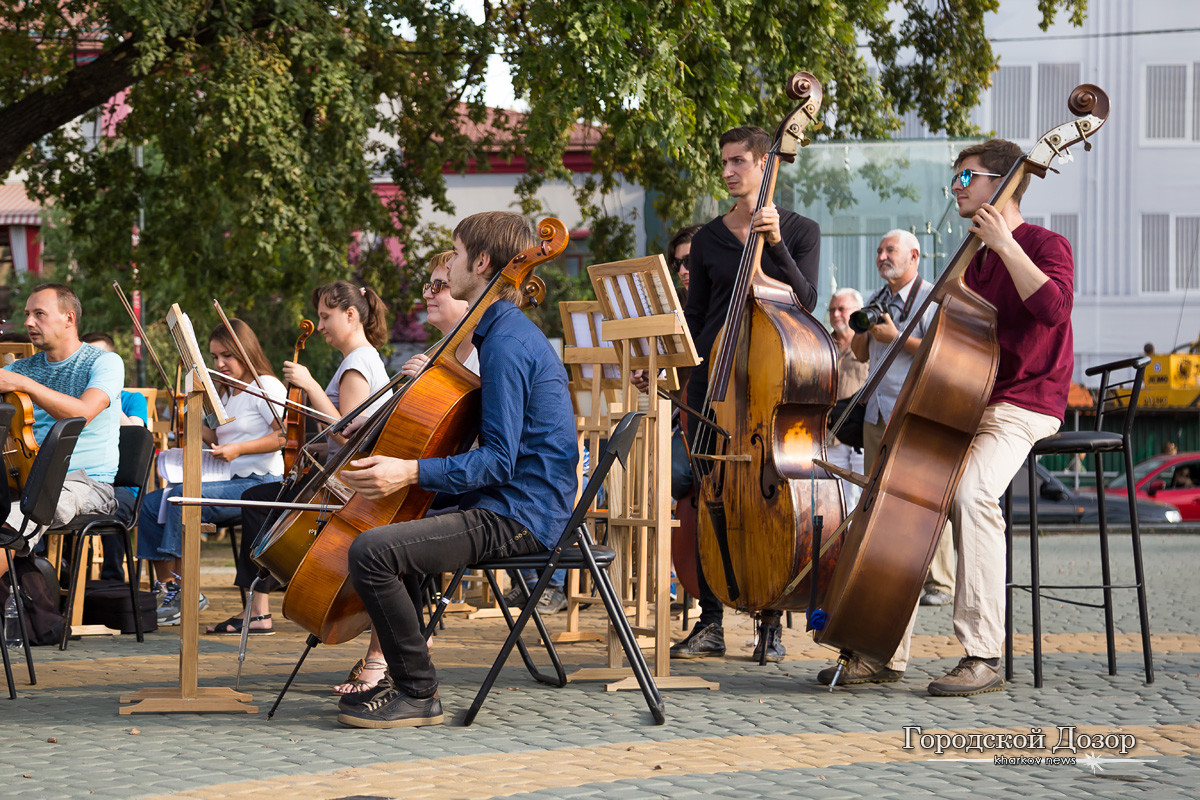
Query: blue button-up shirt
(524, 467)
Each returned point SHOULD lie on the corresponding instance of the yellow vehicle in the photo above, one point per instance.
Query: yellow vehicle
(1173, 379)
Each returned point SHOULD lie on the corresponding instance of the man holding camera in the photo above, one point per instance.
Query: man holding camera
(876, 326)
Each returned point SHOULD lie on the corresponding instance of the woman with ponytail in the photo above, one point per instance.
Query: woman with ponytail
(353, 320)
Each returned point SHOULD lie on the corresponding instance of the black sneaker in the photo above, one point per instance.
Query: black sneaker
(705, 641)
(355, 699)
(393, 709)
(514, 598)
(775, 648)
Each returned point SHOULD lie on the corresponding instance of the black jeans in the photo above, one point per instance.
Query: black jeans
(443, 543)
(254, 524)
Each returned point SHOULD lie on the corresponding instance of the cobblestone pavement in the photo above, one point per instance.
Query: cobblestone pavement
(769, 731)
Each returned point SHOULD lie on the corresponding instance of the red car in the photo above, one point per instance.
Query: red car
(1167, 479)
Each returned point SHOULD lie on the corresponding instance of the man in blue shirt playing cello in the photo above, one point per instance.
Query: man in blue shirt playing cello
(515, 491)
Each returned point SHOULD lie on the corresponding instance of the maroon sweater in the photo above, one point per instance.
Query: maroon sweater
(1036, 346)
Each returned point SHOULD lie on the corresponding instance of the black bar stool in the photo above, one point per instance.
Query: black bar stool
(1115, 397)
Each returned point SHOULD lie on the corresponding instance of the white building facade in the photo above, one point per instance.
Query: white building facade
(1131, 206)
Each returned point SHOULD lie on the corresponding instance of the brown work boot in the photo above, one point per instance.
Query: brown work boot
(859, 671)
(971, 676)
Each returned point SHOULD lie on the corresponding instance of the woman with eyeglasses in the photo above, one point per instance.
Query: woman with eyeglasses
(353, 320)
(443, 312)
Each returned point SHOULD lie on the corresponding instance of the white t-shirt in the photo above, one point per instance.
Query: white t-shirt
(472, 361)
(367, 362)
(253, 420)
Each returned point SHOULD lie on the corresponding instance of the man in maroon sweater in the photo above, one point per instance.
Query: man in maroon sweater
(1027, 273)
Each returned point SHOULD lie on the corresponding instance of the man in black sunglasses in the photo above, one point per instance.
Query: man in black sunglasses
(1027, 273)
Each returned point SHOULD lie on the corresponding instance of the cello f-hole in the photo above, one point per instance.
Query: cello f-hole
(767, 486)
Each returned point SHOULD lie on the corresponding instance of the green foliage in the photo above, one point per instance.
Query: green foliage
(248, 151)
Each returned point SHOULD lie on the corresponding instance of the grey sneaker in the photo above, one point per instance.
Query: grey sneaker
(169, 611)
(393, 709)
(971, 676)
(859, 671)
(936, 597)
(552, 601)
(703, 642)
(514, 598)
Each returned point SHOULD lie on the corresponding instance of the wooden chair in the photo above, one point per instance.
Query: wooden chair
(133, 473)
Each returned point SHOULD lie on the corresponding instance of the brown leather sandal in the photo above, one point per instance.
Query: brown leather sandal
(355, 680)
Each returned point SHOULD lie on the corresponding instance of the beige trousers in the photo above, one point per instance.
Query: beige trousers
(1006, 435)
(941, 569)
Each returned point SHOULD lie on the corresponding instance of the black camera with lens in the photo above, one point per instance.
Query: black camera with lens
(867, 317)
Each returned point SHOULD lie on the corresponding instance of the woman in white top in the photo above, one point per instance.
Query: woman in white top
(442, 312)
(250, 444)
(353, 320)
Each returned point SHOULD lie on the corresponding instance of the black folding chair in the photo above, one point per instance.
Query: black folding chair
(575, 550)
(133, 473)
(39, 499)
(6, 414)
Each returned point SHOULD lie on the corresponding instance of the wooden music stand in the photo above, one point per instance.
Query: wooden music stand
(202, 398)
(595, 385)
(645, 324)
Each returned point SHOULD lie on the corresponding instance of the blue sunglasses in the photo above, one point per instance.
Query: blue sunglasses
(964, 178)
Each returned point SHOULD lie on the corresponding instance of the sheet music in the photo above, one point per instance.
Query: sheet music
(170, 466)
(639, 282)
(642, 348)
(184, 335)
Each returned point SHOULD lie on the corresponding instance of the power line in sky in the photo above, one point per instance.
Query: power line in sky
(1113, 35)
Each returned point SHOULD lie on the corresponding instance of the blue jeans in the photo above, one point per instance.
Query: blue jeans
(163, 542)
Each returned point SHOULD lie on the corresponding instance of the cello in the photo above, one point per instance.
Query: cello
(435, 415)
(760, 493)
(293, 422)
(892, 535)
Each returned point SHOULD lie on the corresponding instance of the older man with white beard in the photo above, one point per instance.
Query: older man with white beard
(897, 259)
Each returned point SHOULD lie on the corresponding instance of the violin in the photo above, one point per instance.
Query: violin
(21, 447)
(772, 382)
(293, 422)
(436, 414)
(894, 531)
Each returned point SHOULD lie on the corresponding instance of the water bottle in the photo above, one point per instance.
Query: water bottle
(12, 624)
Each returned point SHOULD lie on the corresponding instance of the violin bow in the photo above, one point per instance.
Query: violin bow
(247, 363)
(137, 327)
(307, 411)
